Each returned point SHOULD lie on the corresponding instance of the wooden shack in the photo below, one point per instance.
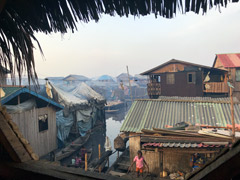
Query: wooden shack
(164, 151)
(35, 116)
(230, 63)
(171, 152)
(180, 78)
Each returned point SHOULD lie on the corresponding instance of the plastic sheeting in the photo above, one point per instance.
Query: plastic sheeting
(107, 145)
(64, 125)
(81, 103)
(86, 119)
(83, 91)
(25, 106)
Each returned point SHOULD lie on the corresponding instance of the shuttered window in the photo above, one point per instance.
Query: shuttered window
(171, 78)
(191, 78)
(237, 74)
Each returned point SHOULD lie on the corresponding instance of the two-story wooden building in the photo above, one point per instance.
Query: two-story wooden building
(230, 63)
(180, 78)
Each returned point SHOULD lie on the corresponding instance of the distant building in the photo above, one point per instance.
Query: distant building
(3, 75)
(124, 77)
(34, 115)
(105, 78)
(71, 79)
(55, 79)
(141, 80)
(230, 63)
(180, 78)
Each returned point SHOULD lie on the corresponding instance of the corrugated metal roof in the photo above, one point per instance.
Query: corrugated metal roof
(209, 99)
(10, 90)
(13, 91)
(146, 114)
(229, 60)
(185, 145)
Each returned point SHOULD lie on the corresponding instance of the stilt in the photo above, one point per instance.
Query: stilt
(86, 160)
(99, 156)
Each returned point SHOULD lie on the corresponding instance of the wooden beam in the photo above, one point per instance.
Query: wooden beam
(11, 143)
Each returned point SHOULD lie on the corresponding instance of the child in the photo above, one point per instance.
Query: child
(139, 160)
(77, 161)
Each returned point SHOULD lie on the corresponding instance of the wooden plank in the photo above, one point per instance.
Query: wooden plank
(11, 142)
(41, 142)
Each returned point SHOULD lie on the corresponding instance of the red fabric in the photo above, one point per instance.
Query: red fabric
(139, 170)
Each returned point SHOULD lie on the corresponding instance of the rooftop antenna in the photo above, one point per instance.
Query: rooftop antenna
(130, 85)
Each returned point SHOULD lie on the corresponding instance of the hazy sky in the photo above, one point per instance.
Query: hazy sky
(106, 47)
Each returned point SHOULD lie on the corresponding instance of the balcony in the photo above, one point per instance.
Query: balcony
(215, 87)
(154, 89)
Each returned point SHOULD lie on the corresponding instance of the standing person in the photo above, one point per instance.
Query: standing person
(78, 161)
(83, 151)
(139, 160)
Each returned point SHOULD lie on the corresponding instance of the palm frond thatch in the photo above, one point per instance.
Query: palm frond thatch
(19, 19)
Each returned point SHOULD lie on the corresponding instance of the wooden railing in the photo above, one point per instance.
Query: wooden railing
(215, 87)
(154, 89)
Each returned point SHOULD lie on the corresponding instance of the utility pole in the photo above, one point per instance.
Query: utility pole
(232, 114)
(232, 107)
(130, 84)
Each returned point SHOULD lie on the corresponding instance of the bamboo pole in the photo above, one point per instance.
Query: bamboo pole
(99, 156)
(129, 84)
(232, 115)
(86, 162)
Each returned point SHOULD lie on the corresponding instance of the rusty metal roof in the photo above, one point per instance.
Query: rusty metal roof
(229, 60)
(157, 113)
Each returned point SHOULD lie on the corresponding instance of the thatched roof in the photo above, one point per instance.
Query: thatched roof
(20, 19)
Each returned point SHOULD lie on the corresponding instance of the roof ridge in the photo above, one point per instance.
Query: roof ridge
(189, 100)
(176, 61)
(226, 53)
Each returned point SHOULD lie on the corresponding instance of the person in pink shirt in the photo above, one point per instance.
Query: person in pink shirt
(139, 160)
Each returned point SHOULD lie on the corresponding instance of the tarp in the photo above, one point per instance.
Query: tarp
(64, 125)
(25, 106)
(83, 91)
(81, 103)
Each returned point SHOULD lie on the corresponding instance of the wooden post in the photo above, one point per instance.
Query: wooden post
(99, 156)
(86, 164)
(232, 115)
(129, 84)
(19, 99)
